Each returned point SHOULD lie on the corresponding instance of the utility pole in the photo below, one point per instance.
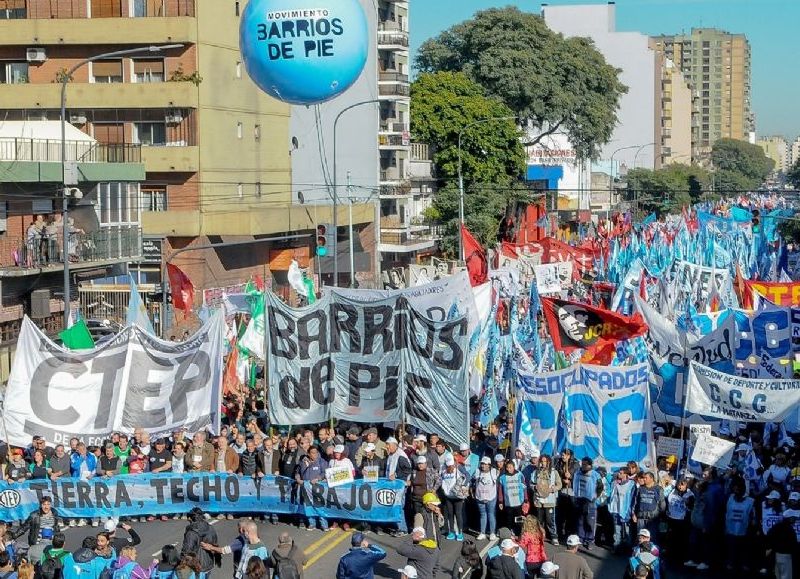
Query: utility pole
(350, 230)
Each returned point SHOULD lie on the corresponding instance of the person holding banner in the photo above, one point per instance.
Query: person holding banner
(311, 471)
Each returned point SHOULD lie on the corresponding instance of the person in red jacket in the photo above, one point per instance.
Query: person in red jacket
(532, 541)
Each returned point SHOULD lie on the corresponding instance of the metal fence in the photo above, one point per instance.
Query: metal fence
(111, 303)
(44, 150)
(47, 248)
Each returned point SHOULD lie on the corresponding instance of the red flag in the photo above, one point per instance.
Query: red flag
(182, 288)
(230, 381)
(474, 258)
(643, 288)
(745, 296)
(573, 325)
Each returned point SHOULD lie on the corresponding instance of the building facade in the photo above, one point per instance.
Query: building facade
(779, 150)
(717, 65)
(674, 113)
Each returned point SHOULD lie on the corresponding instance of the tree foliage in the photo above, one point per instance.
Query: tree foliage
(668, 189)
(445, 104)
(739, 166)
(556, 84)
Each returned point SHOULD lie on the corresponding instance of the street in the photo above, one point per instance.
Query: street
(324, 550)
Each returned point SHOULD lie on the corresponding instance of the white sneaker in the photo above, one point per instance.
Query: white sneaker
(480, 537)
(72, 523)
(702, 567)
(492, 537)
(762, 571)
(690, 563)
(81, 522)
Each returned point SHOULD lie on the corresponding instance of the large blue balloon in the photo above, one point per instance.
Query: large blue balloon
(304, 54)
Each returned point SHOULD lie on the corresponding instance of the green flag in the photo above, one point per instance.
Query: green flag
(253, 338)
(77, 337)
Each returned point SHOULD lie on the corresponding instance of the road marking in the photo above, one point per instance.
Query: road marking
(325, 550)
(326, 536)
(488, 546)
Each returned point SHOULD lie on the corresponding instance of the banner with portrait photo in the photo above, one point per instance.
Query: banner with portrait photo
(552, 278)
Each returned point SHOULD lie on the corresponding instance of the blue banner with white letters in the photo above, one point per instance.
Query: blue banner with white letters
(598, 411)
(164, 493)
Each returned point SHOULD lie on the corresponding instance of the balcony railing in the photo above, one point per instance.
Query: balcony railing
(393, 90)
(389, 76)
(391, 25)
(392, 141)
(45, 250)
(46, 150)
(393, 40)
(65, 9)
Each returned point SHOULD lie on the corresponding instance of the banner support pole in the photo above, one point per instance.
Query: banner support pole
(687, 366)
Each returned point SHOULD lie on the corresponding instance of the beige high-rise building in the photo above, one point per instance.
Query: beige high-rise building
(674, 108)
(717, 65)
(795, 151)
(778, 149)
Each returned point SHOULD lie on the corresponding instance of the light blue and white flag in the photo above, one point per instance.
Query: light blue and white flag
(137, 312)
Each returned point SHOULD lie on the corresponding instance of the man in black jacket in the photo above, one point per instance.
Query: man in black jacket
(41, 525)
(199, 531)
(118, 542)
(505, 566)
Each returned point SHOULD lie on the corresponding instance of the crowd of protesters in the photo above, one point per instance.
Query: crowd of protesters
(744, 517)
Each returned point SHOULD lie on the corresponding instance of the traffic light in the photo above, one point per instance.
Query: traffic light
(324, 239)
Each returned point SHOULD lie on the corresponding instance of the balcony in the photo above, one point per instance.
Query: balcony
(44, 150)
(391, 26)
(71, 22)
(393, 41)
(419, 239)
(393, 141)
(389, 126)
(390, 76)
(391, 174)
(21, 256)
(402, 190)
(391, 90)
(156, 95)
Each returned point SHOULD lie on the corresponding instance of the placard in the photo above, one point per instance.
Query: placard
(370, 473)
(338, 475)
(666, 446)
(713, 451)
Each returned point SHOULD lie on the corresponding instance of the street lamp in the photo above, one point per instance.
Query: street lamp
(65, 190)
(336, 189)
(461, 178)
(639, 150)
(611, 178)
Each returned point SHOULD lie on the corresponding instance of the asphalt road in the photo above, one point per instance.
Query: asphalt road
(324, 549)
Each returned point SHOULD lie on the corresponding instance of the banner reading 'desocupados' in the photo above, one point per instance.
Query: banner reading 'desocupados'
(719, 395)
(133, 381)
(365, 362)
(157, 494)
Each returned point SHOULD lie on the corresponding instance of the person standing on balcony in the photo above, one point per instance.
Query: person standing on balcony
(72, 245)
(32, 239)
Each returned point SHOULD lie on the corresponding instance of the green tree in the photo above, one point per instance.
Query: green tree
(667, 190)
(553, 83)
(793, 175)
(445, 104)
(739, 166)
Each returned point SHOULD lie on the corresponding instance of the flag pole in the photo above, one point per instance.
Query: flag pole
(687, 366)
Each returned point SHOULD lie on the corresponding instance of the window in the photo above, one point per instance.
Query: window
(118, 203)
(239, 130)
(240, 190)
(107, 71)
(14, 73)
(148, 70)
(238, 69)
(153, 134)
(258, 189)
(12, 10)
(154, 198)
(238, 9)
(257, 133)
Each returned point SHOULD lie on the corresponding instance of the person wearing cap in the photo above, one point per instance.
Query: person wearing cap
(570, 564)
(680, 502)
(781, 541)
(371, 437)
(739, 525)
(644, 554)
(421, 553)
(455, 488)
(484, 491)
(495, 551)
(340, 459)
(468, 459)
(586, 487)
(408, 572)
(778, 471)
(17, 469)
(544, 483)
(424, 480)
(548, 570)
(359, 562)
(423, 449)
(117, 542)
(429, 518)
(505, 566)
(371, 462)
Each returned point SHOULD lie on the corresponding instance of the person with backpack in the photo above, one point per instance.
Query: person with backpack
(169, 561)
(359, 562)
(199, 531)
(7, 567)
(646, 555)
(56, 552)
(83, 563)
(287, 560)
(126, 567)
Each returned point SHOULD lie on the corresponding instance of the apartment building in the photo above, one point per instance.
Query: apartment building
(674, 112)
(717, 65)
(778, 149)
(185, 149)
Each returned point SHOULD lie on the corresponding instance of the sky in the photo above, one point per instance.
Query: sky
(770, 25)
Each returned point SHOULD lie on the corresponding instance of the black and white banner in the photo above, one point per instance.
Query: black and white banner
(133, 381)
(367, 361)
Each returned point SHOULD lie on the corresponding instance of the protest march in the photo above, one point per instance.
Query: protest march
(636, 388)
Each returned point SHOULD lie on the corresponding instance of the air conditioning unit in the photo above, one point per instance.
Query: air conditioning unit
(77, 119)
(40, 303)
(174, 119)
(36, 55)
